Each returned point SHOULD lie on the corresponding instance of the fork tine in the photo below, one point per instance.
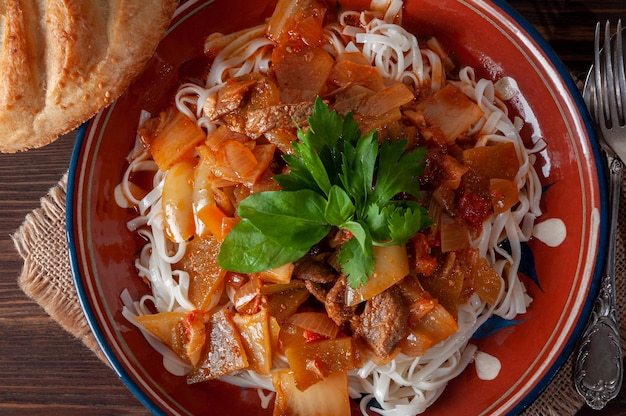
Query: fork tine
(609, 79)
(620, 81)
(597, 98)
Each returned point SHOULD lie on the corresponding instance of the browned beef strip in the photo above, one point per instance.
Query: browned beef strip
(318, 290)
(336, 307)
(227, 99)
(383, 322)
(261, 120)
(315, 271)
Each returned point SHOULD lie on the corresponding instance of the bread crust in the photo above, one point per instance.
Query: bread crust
(61, 61)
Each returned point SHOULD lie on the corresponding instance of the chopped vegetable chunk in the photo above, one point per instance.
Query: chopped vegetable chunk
(326, 397)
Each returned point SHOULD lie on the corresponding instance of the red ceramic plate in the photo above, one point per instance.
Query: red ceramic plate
(485, 34)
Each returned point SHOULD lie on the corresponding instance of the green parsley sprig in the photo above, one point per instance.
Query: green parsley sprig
(337, 178)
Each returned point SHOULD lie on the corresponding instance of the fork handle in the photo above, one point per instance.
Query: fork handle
(599, 367)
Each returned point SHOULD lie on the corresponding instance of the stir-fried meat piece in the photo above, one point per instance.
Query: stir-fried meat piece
(318, 276)
(251, 105)
(383, 323)
(318, 290)
(262, 120)
(227, 99)
(315, 271)
(336, 307)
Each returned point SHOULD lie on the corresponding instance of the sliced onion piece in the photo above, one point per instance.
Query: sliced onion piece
(317, 322)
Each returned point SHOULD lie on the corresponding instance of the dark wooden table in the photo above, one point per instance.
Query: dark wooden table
(45, 371)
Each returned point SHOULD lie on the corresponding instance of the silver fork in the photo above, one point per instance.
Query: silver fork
(599, 367)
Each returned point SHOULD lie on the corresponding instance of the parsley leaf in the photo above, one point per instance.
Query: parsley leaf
(299, 177)
(356, 263)
(337, 178)
(398, 221)
(398, 170)
(313, 163)
(358, 167)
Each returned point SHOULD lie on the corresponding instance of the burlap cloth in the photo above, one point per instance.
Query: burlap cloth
(46, 278)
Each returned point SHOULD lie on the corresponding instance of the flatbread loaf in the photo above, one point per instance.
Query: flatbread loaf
(61, 61)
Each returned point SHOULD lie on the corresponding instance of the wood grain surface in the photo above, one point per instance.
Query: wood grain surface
(46, 371)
